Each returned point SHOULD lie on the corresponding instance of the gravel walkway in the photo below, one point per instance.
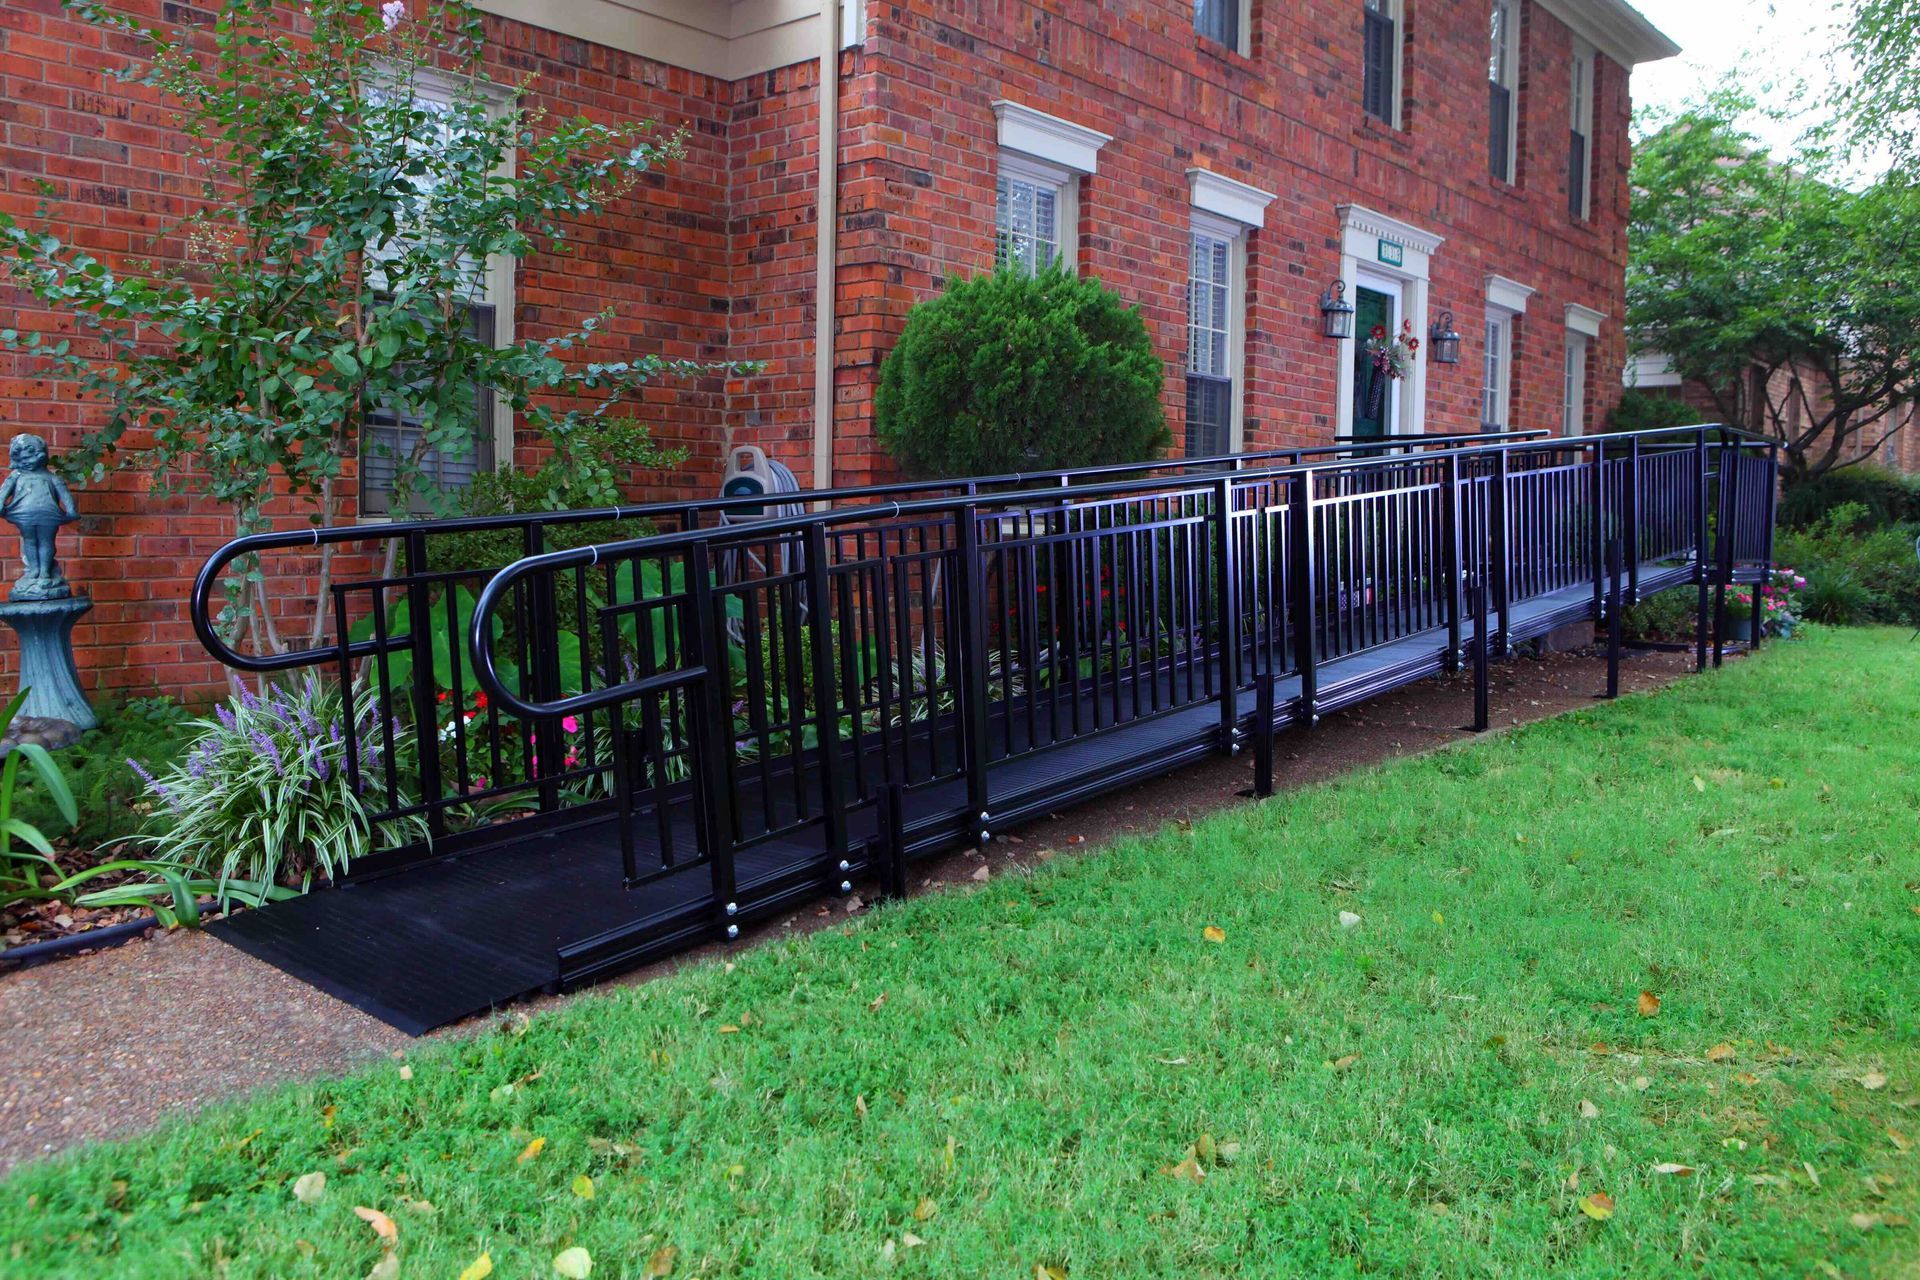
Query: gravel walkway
(112, 1043)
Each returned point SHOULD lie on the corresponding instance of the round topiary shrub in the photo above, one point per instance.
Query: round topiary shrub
(1011, 372)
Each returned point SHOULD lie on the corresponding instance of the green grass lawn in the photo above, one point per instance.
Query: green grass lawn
(1071, 1071)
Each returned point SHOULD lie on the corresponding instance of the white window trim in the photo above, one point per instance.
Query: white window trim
(1065, 185)
(1507, 294)
(1580, 115)
(1397, 14)
(1234, 232)
(1226, 198)
(1361, 231)
(1510, 81)
(1048, 138)
(853, 23)
(1503, 389)
(497, 279)
(1573, 383)
(1585, 320)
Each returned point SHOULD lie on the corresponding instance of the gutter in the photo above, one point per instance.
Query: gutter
(826, 242)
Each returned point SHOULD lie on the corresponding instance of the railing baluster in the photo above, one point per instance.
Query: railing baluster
(972, 691)
(1300, 572)
(1228, 608)
(826, 701)
(713, 740)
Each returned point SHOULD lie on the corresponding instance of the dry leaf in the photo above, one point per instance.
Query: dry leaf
(878, 1000)
(1049, 1273)
(577, 1264)
(1900, 1140)
(1343, 1062)
(661, 1263)
(583, 1187)
(925, 1209)
(388, 1268)
(1698, 785)
(1598, 1206)
(382, 1225)
(983, 872)
(1348, 919)
(1588, 1111)
(729, 1030)
(1867, 1221)
(1438, 918)
(1873, 1080)
(911, 1240)
(534, 1148)
(479, 1269)
(1648, 1004)
(1188, 1168)
(1641, 1084)
(1746, 1078)
(310, 1188)
(1720, 1052)
(1677, 1170)
(406, 1072)
(1214, 933)
(860, 1105)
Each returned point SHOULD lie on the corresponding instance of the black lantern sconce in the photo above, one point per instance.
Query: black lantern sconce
(1444, 340)
(1336, 313)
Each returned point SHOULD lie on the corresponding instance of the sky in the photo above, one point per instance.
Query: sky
(1769, 44)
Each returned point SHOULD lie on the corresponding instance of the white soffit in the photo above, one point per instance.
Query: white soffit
(1073, 147)
(1229, 199)
(1508, 295)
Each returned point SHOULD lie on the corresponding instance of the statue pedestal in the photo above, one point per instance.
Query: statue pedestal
(47, 673)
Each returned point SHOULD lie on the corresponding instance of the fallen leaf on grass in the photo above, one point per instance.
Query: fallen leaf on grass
(1720, 1052)
(577, 1264)
(1677, 1170)
(388, 1268)
(1900, 1140)
(983, 872)
(406, 1072)
(1873, 1080)
(1214, 933)
(1647, 1005)
(925, 1209)
(661, 1263)
(729, 1030)
(1588, 1111)
(382, 1225)
(479, 1269)
(1042, 1272)
(1188, 1168)
(310, 1188)
(1438, 918)
(1343, 1062)
(583, 1187)
(1746, 1078)
(1699, 784)
(1598, 1206)
(1348, 919)
(533, 1149)
(911, 1240)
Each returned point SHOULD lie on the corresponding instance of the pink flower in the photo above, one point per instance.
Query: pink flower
(571, 724)
(393, 13)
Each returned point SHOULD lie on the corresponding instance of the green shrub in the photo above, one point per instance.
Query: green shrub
(1857, 571)
(1650, 411)
(1010, 372)
(1889, 498)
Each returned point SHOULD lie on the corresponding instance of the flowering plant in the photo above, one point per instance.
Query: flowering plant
(1393, 357)
(1779, 602)
(262, 801)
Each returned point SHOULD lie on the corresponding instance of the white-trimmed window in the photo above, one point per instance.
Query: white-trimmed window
(386, 436)
(1216, 285)
(1580, 132)
(1503, 93)
(1496, 381)
(1225, 22)
(1573, 389)
(1034, 216)
(1380, 60)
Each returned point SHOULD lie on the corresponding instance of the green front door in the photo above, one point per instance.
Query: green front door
(1371, 310)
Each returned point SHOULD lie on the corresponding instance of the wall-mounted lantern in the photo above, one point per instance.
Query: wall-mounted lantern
(1444, 340)
(1336, 313)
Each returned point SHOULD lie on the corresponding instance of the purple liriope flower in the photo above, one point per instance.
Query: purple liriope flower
(154, 785)
(317, 760)
(270, 750)
(308, 724)
(226, 716)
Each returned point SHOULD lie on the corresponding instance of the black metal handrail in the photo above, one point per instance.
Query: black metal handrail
(689, 512)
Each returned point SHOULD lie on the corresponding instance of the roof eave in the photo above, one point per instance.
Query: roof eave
(1615, 28)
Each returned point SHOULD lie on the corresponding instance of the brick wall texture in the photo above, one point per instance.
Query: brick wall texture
(716, 259)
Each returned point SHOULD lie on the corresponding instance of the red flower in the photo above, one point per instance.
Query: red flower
(1413, 344)
(1379, 331)
(480, 701)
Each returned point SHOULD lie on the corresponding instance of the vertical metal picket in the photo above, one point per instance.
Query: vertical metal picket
(972, 688)
(1701, 573)
(1305, 584)
(1227, 604)
(826, 706)
(712, 738)
(426, 726)
(1455, 567)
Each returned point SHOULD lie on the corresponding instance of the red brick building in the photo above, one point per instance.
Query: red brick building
(1219, 163)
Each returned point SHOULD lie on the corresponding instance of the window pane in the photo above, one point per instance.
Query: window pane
(1026, 222)
(1376, 93)
(389, 437)
(1218, 20)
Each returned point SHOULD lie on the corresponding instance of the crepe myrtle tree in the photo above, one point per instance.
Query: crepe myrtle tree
(344, 221)
(1792, 300)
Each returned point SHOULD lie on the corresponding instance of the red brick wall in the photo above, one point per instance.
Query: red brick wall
(1287, 120)
(716, 258)
(119, 175)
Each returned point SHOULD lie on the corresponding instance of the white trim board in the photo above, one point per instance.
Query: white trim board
(1035, 133)
(1227, 198)
(1361, 232)
(1508, 295)
(1584, 320)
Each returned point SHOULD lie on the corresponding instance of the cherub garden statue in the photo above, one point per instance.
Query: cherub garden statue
(36, 502)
